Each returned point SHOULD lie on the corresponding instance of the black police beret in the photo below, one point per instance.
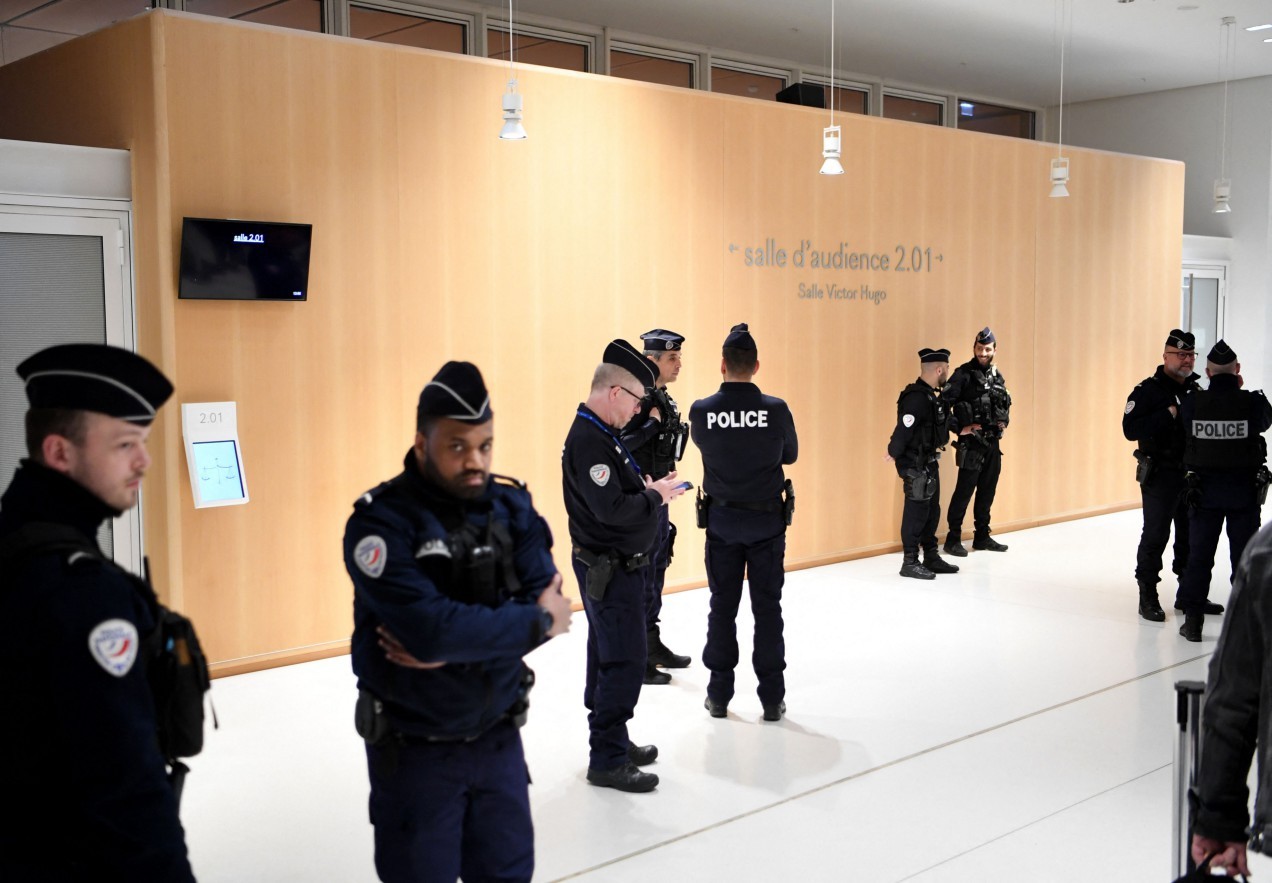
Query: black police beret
(740, 338)
(456, 392)
(1182, 340)
(930, 355)
(661, 339)
(624, 355)
(1221, 354)
(986, 336)
(95, 377)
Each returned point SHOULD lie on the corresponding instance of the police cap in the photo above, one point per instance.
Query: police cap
(456, 392)
(740, 338)
(95, 377)
(1182, 340)
(930, 355)
(624, 355)
(661, 340)
(1221, 354)
(985, 336)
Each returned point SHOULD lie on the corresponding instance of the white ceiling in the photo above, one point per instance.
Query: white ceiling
(990, 49)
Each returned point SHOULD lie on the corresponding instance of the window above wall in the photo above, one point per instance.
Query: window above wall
(914, 107)
(571, 52)
(422, 29)
(303, 15)
(633, 62)
(994, 119)
(748, 81)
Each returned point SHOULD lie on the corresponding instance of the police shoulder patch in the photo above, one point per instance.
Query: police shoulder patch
(1130, 406)
(370, 555)
(113, 645)
(907, 420)
(600, 474)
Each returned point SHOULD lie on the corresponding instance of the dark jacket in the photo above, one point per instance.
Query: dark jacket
(1238, 710)
(408, 571)
(1147, 419)
(79, 756)
(746, 437)
(977, 394)
(920, 430)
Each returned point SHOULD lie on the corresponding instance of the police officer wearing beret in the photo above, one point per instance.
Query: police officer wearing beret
(1151, 419)
(656, 437)
(980, 409)
(613, 509)
(453, 583)
(746, 438)
(1225, 455)
(915, 446)
(83, 776)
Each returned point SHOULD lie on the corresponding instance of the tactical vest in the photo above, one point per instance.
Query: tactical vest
(1221, 435)
(658, 456)
(992, 403)
(1167, 446)
(930, 430)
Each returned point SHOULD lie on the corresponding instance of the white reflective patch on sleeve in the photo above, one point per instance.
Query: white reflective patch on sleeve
(113, 645)
(907, 420)
(1130, 406)
(370, 555)
(600, 473)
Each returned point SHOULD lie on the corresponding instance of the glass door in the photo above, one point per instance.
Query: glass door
(1202, 308)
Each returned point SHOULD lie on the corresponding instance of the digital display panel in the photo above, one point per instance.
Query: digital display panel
(244, 260)
(216, 467)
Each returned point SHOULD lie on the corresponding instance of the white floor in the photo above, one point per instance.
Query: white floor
(1011, 722)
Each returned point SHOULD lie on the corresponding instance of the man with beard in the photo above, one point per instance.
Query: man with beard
(613, 509)
(915, 448)
(656, 437)
(1151, 419)
(980, 408)
(453, 583)
(80, 761)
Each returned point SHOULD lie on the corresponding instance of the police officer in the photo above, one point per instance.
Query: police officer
(915, 446)
(87, 787)
(1152, 420)
(980, 409)
(746, 438)
(656, 437)
(613, 509)
(453, 582)
(1224, 453)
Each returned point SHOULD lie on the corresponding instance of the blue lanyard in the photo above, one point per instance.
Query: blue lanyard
(631, 461)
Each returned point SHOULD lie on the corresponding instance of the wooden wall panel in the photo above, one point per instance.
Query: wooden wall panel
(434, 240)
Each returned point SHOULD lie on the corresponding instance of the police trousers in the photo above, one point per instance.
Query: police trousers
(920, 520)
(656, 573)
(751, 544)
(445, 810)
(983, 483)
(1163, 506)
(616, 654)
(1226, 499)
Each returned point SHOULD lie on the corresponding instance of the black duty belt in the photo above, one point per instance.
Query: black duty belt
(409, 739)
(627, 562)
(771, 506)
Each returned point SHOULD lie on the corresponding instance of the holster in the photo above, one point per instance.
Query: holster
(788, 502)
(600, 570)
(671, 541)
(1192, 491)
(970, 451)
(919, 485)
(369, 719)
(701, 505)
(1261, 481)
(1146, 468)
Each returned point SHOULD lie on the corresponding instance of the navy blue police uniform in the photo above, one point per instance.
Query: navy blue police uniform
(657, 444)
(915, 446)
(613, 520)
(455, 581)
(80, 764)
(976, 395)
(746, 437)
(1159, 438)
(1224, 453)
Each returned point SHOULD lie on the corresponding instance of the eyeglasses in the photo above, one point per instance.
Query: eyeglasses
(629, 392)
(1182, 355)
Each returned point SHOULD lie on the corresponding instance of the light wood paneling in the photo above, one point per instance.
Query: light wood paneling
(434, 240)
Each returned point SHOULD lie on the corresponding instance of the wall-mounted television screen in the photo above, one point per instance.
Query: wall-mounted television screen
(244, 260)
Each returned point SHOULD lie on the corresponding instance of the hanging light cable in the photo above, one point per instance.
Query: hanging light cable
(512, 129)
(1060, 165)
(1227, 64)
(831, 134)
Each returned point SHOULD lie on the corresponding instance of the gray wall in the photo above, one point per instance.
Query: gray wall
(1184, 124)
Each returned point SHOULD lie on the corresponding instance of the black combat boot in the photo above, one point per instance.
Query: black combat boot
(1210, 608)
(654, 675)
(954, 544)
(659, 654)
(935, 563)
(1149, 607)
(911, 567)
(1191, 629)
(986, 543)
